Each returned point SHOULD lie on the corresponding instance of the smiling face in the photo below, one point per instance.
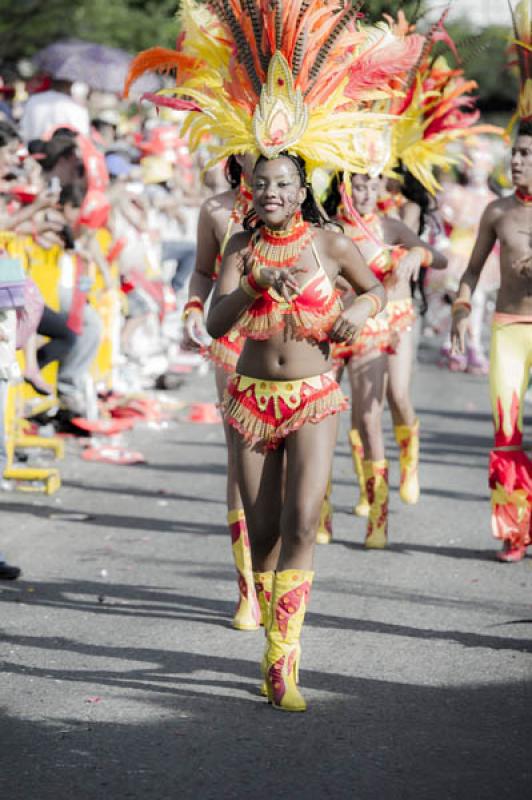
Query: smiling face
(522, 163)
(277, 191)
(365, 193)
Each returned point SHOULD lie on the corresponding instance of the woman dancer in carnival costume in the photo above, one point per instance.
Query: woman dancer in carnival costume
(508, 221)
(380, 360)
(220, 217)
(285, 90)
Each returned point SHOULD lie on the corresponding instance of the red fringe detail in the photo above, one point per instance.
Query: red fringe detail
(225, 352)
(262, 428)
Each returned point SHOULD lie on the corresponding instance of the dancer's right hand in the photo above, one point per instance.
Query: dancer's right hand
(195, 333)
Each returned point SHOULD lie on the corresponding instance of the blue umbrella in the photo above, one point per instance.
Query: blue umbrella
(102, 68)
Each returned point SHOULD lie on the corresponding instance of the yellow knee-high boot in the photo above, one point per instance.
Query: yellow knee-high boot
(324, 534)
(263, 589)
(361, 509)
(407, 437)
(247, 615)
(376, 475)
(291, 590)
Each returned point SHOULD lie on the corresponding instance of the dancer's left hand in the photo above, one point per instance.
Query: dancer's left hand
(408, 266)
(348, 325)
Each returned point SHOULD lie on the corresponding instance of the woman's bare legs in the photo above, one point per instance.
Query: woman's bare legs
(260, 476)
(400, 376)
(283, 513)
(283, 529)
(368, 376)
(233, 493)
(247, 615)
(406, 426)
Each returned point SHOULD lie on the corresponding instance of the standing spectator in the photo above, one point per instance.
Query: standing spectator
(51, 109)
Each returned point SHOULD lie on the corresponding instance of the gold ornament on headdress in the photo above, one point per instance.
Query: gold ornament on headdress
(281, 117)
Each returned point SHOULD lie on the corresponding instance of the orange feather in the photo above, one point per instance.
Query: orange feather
(157, 59)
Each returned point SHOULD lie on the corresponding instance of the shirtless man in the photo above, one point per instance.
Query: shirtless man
(220, 217)
(508, 220)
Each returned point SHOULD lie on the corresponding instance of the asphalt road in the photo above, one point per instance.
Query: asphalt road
(123, 680)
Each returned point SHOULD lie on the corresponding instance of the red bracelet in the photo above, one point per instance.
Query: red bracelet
(194, 304)
(253, 283)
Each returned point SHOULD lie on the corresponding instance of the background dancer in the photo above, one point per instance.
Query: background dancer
(221, 216)
(509, 221)
(379, 362)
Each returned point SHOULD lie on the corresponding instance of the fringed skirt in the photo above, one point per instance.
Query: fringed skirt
(225, 351)
(265, 412)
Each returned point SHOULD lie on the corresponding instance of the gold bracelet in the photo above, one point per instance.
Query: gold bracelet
(248, 289)
(374, 299)
(194, 304)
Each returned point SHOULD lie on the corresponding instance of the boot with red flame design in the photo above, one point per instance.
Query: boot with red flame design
(361, 508)
(407, 437)
(325, 530)
(247, 615)
(376, 475)
(263, 589)
(291, 590)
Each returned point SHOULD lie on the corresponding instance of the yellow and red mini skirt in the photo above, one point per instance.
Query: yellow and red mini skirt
(265, 412)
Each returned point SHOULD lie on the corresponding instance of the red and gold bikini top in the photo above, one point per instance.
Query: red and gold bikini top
(241, 208)
(311, 313)
(368, 229)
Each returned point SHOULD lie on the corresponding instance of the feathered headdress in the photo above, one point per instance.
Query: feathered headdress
(436, 110)
(522, 21)
(264, 76)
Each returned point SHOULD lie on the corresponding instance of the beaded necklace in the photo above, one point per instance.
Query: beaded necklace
(524, 199)
(281, 249)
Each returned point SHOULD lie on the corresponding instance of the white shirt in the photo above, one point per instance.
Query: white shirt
(48, 110)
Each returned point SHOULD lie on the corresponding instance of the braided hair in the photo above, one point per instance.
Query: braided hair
(310, 210)
(233, 172)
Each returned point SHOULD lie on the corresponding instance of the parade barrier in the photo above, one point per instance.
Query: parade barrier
(42, 267)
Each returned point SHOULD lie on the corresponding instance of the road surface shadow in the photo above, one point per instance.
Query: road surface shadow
(361, 739)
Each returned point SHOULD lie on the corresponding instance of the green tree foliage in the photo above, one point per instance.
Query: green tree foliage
(413, 9)
(485, 58)
(29, 25)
